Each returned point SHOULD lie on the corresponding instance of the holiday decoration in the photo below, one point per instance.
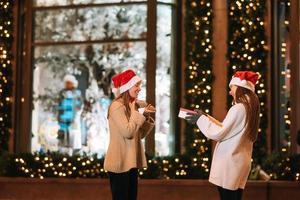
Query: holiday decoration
(198, 78)
(6, 82)
(247, 51)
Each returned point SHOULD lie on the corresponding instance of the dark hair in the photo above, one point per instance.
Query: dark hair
(126, 99)
(251, 102)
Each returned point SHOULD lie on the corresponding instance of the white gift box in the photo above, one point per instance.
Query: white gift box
(183, 112)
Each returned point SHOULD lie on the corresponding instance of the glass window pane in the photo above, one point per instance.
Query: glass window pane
(84, 24)
(166, 1)
(163, 136)
(44, 3)
(285, 75)
(78, 117)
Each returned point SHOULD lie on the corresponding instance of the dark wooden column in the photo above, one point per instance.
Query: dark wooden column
(295, 78)
(151, 66)
(220, 84)
(177, 75)
(24, 80)
(268, 29)
(15, 47)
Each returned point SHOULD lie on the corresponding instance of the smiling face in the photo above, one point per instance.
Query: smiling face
(232, 91)
(135, 90)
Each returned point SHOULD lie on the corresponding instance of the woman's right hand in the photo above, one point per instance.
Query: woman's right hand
(150, 109)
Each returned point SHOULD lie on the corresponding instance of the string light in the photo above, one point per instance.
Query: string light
(56, 165)
(198, 78)
(6, 29)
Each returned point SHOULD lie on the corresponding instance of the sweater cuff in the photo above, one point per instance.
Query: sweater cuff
(138, 118)
(201, 121)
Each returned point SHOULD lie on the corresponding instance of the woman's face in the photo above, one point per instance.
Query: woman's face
(135, 90)
(232, 91)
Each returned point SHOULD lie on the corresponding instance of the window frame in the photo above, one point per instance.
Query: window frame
(24, 80)
(294, 81)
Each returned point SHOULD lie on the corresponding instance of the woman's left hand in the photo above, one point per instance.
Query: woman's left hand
(193, 118)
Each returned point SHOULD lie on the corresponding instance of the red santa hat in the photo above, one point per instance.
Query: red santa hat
(245, 79)
(124, 81)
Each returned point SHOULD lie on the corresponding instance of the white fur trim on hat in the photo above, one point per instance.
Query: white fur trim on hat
(134, 80)
(72, 79)
(116, 91)
(242, 83)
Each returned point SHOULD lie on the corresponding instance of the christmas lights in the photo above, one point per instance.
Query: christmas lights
(198, 78)
(6, 30)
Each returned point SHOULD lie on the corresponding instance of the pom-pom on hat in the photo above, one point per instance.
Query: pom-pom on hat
(245, 79)
(124, 81)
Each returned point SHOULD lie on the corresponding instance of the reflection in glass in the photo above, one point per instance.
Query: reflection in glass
(45, 3)
(92, 66)
(166, 1)
(285, 75)
(163, 136)
(84, 24)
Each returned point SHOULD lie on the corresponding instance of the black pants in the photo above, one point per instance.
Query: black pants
(124, 185)
(226, 194)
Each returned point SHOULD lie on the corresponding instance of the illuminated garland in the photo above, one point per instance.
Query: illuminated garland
(62, 166)
(198, 76)
(177, 167)
(54, 165)
(247, 51)
(6, 30)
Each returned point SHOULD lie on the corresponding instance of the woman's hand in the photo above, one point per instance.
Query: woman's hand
(149, 109)
(193, 118)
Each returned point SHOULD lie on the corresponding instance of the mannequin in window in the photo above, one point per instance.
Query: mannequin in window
(70, 102)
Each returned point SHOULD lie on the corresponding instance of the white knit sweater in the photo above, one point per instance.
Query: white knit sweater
(231, 162)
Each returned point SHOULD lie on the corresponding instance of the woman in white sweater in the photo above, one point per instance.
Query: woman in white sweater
(235, 136)
(127, 127)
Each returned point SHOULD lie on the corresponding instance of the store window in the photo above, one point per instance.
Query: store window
(281, 76)
(85, 43)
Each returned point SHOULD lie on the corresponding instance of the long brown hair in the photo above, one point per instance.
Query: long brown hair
(125, 98)
(251, 102)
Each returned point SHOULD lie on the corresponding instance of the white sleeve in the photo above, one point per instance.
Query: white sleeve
(233, 123)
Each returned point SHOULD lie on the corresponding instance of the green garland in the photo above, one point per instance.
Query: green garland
(247, 51)
(199, 78)
(61, 166)
(176, 167)
(6, 31)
